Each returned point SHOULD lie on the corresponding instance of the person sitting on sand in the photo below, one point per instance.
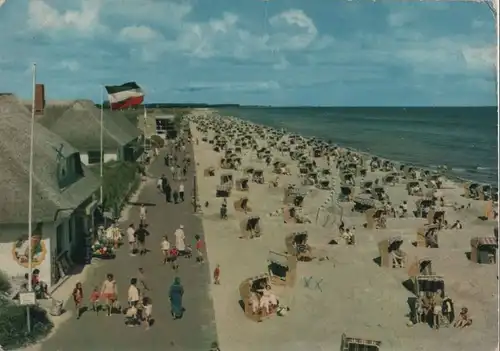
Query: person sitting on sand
(457, 225)
(398, 258)
(253, 300)
(404, 209)
(463, 320)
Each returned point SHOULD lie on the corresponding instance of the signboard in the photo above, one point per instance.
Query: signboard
(27, 298)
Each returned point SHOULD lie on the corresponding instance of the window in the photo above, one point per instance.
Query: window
(94, 157)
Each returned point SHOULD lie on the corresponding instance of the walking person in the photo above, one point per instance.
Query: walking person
(109, 292)
(175, 197)
(133, 293)
(142, 279)
(175, 295)
(179, 239)
(217, 275)
(165, 248)
(141, 235)
(131, 239)
(94, 299)
(168, 193)
(199, 248)
(78, 298)
(142, 214)
(147, 312)
(181, 192)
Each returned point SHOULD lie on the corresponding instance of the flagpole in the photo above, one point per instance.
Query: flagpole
(30, 200)
(145, 127)
(101, 155)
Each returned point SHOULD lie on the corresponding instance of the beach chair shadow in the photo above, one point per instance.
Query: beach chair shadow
(409, 285)
(378, 261)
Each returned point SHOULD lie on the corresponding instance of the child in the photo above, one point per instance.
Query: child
(78, 298)
(142, 279)
(173, 253)
(165, 249)
(147, 311)
(188, 252)
(94, 299)
(217, 275)
(131, 319)
(199, 248)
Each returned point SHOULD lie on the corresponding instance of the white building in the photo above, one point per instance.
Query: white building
(63, 203)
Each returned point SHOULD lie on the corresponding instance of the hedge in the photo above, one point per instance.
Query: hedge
(4, 283)
(120, 179)
(13, 331)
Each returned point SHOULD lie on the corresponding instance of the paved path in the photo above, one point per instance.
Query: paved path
(194, 332)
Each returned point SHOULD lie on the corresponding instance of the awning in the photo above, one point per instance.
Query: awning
(489, 240)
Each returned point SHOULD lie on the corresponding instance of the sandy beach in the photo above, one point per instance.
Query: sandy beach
(343, 289)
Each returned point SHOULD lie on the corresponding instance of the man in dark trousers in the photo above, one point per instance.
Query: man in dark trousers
(141, 235)
(168, 192)
(164, 182)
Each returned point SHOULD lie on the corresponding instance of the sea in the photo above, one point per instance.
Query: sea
(462, 138)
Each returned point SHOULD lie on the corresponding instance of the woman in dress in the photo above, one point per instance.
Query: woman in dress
(109, 292)
(175, 295)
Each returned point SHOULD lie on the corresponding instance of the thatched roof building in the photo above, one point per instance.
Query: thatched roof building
(61, 182)
(80, 124)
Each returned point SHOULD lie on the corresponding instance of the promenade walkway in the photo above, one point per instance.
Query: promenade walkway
(194, 332)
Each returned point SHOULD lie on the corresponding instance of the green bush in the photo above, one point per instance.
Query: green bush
(157, 141)
(4, 283)
(13, 331)
(120, 179)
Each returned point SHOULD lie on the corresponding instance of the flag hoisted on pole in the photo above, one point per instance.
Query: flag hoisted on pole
(125, 95)
(30, 200)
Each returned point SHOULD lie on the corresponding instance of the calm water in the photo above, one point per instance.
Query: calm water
(464, 139)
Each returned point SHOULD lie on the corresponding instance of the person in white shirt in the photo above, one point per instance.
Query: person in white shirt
(181, 192)
(142, 213)
(133, 293)
(131, 238)
(179, 238)
(165, 248)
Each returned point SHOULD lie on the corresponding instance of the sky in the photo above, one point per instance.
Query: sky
(254, 52)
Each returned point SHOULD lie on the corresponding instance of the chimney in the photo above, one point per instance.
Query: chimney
(39, 98)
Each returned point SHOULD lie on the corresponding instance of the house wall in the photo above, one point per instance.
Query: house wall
(108, 157)
(13, 246)
(10, 261)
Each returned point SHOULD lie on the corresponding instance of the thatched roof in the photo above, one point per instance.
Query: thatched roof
(48, 198)
(80, 125)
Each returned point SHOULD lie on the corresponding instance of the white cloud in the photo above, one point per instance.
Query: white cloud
(291, 30)
(139, 34)
(70, 65)
(235, 86)
(282, 64)
(41, 16)
(303, 32)
(2, 2)
(479, 58)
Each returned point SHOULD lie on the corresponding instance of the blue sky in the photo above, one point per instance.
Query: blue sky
(280, 52)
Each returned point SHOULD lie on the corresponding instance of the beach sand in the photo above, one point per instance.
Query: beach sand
(348, 293)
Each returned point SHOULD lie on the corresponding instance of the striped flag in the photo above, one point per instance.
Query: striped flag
(125, 95)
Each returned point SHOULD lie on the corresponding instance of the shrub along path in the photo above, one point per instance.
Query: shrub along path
(194, 332)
